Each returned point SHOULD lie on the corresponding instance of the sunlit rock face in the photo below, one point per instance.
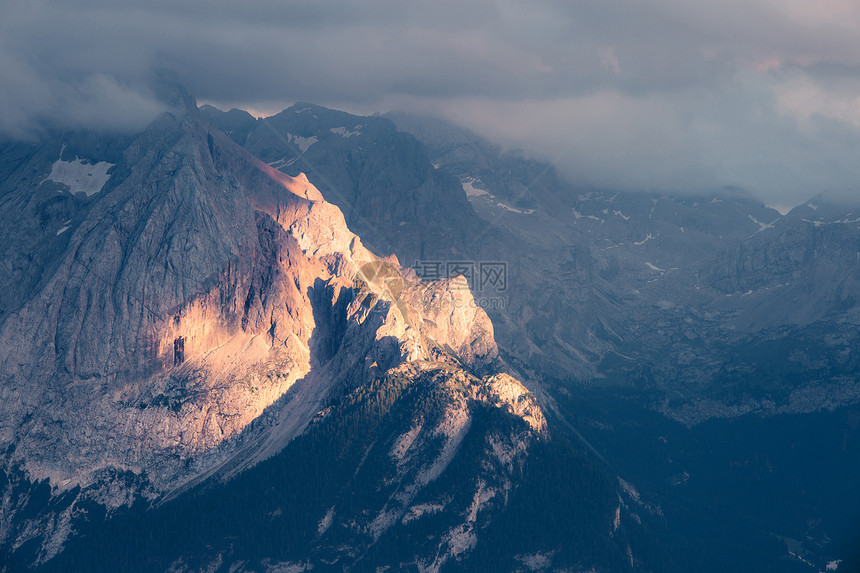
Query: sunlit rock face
(383, 181)
(204, 305)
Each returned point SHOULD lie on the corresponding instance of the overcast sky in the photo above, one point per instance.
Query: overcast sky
(668, 95)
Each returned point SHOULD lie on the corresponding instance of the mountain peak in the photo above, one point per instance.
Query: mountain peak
(170, 90)
(204, 286)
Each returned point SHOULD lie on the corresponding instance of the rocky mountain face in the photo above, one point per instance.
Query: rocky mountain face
(181, 321)
(420, 213)
(644, 283)
(640, 280)
(612, 264)
(381, 178)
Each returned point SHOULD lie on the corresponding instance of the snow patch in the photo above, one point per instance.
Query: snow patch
(762, 226)
(634, 495)
(833, 565)
(471, 190)
(838, 222)
(577, 215)
(815, 223)
(631, 491)
(80, 176)
(801, 558)
(282, 162)
(616, 523)
(326, 521)
(647, 238)
(302, 143)
(514, 209)
(620, 214)
(654, 267)
(345, 133)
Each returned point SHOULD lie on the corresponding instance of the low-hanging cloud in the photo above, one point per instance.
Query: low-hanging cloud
(662, 95)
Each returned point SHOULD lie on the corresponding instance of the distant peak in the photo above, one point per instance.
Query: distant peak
(836, 198)
(171, 91)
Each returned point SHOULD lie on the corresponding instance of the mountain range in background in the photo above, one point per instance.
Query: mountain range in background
(321, 341)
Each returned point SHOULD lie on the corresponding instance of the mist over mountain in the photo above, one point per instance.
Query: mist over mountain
(641, 96)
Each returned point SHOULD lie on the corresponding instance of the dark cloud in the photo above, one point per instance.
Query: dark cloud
(636, 94)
